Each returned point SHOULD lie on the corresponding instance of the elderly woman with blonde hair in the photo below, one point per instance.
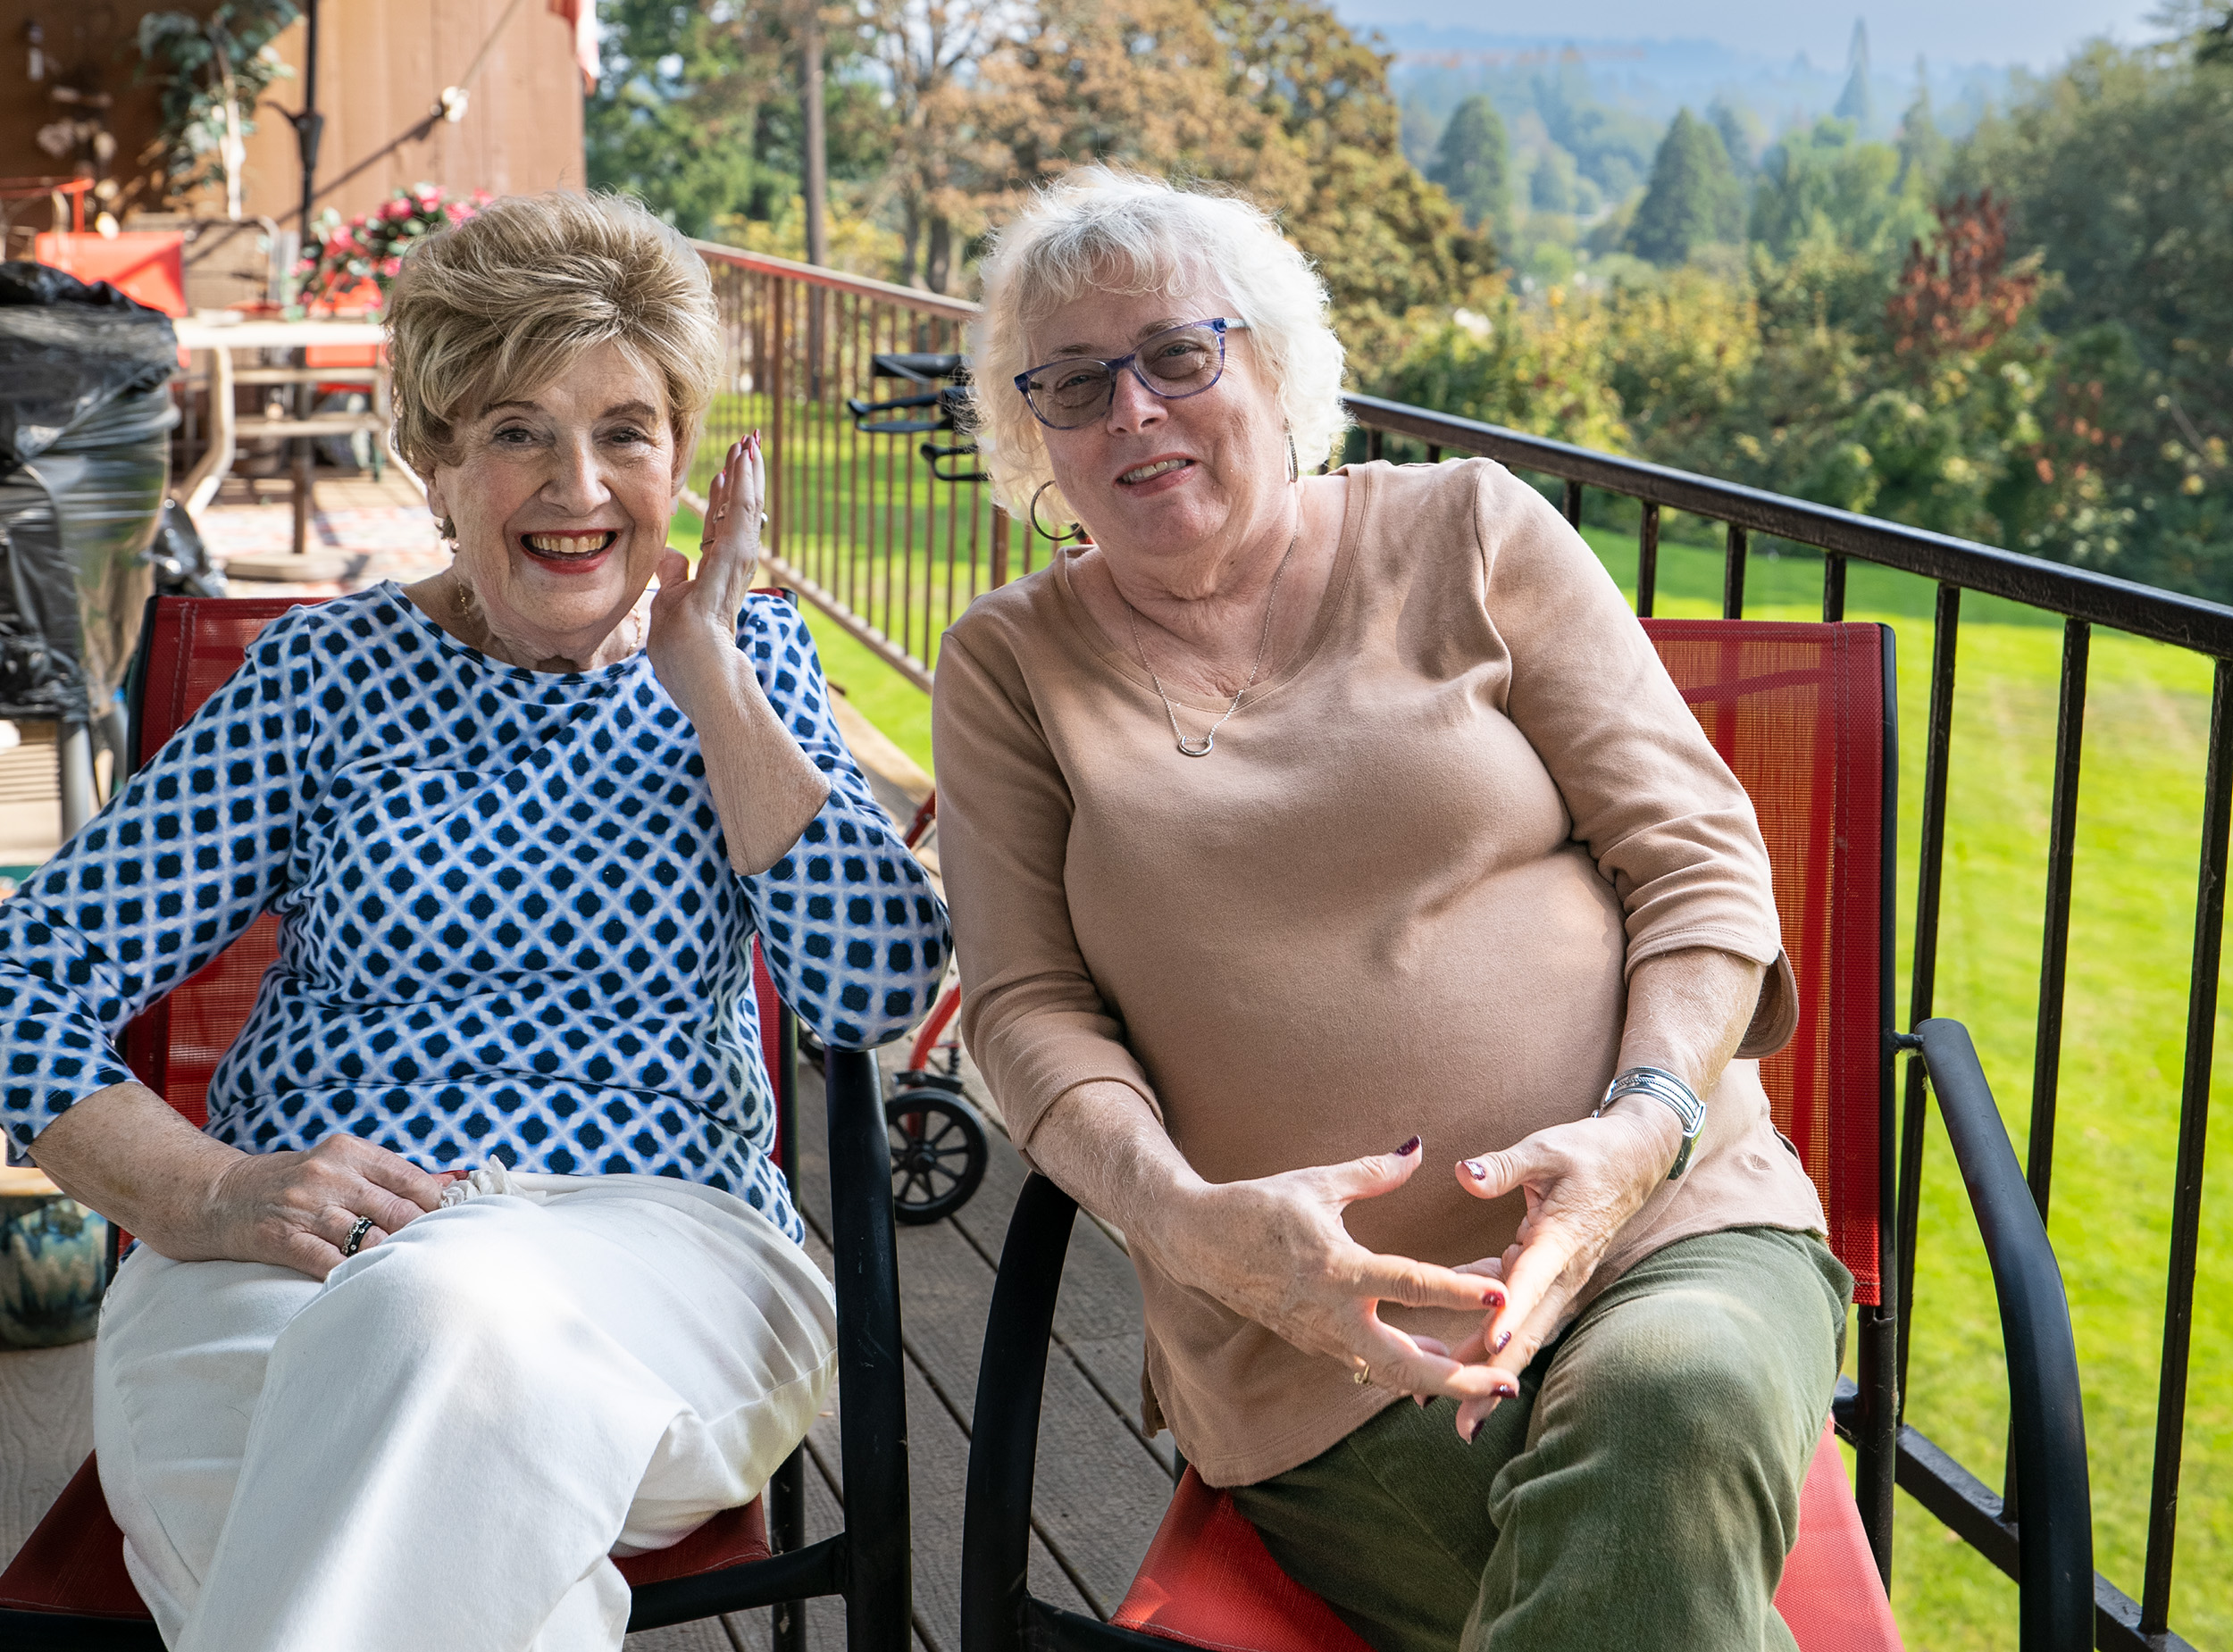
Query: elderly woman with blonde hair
(482, 1272)
(1303, 829)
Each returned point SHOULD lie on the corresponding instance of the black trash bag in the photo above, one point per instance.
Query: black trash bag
(85, 456)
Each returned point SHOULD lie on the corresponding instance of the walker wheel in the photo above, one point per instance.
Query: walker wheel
(938, 1153)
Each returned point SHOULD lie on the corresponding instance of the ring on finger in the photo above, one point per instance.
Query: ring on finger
(357, 1236)
(1361, 1375)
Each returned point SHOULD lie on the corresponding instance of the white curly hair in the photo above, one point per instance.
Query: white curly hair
(1102, 229)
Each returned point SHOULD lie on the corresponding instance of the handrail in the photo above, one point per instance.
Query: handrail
(872, 1420)
(1004, 1427)
(838, 281)
(2054, 1513)
(2061, 588)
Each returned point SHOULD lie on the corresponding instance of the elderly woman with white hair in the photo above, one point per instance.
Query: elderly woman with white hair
(1291, 817)
(482, 1272)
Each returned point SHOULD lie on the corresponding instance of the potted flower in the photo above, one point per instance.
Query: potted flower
(357, 262)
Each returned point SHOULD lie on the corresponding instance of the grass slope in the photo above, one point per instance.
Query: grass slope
(2131, 929)
(2132, 924)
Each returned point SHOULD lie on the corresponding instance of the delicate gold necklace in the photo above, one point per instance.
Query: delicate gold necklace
(1209, 739)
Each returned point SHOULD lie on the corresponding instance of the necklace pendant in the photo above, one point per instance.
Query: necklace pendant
(1186, 745)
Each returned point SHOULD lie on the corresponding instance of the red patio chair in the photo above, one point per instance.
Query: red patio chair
(67, 1587)
(1804, 715)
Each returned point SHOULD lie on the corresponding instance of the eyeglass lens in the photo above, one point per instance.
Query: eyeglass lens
(1183, 361)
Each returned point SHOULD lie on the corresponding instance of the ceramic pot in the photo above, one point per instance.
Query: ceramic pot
(54, 1263)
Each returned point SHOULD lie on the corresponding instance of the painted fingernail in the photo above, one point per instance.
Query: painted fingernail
(1508, 1389)
(1476, 1169)
(1407, 1148)
(1474, 1433)
(1503, 1339)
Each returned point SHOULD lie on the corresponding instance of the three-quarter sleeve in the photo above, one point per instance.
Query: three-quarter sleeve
(1031, 1016)
(852, 930)
(1667, 822)
(186, 857)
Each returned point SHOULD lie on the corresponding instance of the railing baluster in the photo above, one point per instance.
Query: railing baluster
(1733, 575)
(1922, 985)
(2193, 1125)
(1647, 560)
(1833, 587)
(1374, 444)
(1574, 504)
(1434, 453)
(2046, 1055)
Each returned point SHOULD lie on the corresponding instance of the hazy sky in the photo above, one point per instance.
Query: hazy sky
(2037, 32)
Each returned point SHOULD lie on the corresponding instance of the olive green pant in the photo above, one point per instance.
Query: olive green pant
(1643, 1490)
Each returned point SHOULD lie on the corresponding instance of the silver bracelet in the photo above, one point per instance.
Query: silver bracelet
(1661, 1086)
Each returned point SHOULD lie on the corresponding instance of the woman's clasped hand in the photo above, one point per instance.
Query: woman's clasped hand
(1275, 1249)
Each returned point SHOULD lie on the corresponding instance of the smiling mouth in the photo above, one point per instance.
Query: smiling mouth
(569, 547)
(1149, 472)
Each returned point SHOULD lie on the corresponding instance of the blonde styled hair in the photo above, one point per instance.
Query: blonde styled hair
(496, 307)
(1098, 229)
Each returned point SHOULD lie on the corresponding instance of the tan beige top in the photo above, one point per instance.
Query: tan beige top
(1400, 897)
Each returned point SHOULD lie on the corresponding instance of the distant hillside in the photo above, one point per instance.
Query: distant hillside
(1639, 84)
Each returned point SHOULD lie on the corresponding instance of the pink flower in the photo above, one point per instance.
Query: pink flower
(396, 209)
(391, 266)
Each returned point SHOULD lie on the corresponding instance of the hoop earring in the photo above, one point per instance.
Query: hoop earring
(1294, 469)
(1046, 533)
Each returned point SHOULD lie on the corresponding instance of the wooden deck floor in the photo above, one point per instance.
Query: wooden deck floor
(1102, 1486)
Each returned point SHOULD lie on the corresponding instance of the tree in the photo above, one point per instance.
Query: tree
(1959, 294)
(677, 115)
(2114, 175)
(1272, 97)
(1856, 102)
(1473, 162)
(1826, 183)
(1923, 147)
(1740, 135)
(930, 53)
(1694, 198)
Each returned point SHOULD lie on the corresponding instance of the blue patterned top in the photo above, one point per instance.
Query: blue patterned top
(508, 926)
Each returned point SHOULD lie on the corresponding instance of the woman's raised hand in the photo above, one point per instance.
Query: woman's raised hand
(695, 607)
(1275, 1251)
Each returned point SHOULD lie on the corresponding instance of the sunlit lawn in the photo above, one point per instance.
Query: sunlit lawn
(2132, 916)
(2131, 931)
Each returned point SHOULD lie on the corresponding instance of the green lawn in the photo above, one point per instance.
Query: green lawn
(2147, 718)
(2132, 915)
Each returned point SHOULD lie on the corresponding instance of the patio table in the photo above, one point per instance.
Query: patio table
(220, 339)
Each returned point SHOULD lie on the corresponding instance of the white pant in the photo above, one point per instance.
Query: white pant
(440, 1445)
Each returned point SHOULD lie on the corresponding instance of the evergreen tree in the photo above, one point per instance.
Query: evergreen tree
(1473, 162)
(1740, 135)
(1853, 103)
(1923, 147)
(1694, 198)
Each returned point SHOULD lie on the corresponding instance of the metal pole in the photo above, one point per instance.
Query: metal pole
(309, 128)
(816, 181)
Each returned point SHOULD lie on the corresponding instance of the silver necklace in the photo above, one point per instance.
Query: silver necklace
(1209, 739)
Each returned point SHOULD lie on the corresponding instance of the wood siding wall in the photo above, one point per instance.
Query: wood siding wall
(382, 65)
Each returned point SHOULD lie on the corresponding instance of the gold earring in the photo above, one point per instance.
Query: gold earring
(1294, 469)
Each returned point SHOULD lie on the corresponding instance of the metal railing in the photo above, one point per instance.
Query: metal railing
(858, 522)
(894, 556)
